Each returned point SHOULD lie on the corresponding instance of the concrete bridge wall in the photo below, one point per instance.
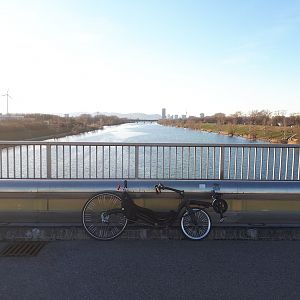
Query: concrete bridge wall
(57, 201)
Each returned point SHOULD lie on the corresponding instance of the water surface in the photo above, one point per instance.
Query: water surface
(152, 133)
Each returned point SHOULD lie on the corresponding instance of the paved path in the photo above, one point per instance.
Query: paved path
(156, 269)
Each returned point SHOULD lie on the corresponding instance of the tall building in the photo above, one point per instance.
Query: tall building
(163, 113)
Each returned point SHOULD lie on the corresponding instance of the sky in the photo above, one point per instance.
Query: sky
(188, 56)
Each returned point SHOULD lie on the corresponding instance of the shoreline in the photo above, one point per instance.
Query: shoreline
(53, 135)
(35, 127)
(240, 136)
(36, 130)
(250, 133)
(60, 135)
(271, 141)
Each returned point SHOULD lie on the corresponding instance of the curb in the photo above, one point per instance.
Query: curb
(75, 231)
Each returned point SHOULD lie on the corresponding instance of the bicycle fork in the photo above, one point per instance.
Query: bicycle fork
(192, 214)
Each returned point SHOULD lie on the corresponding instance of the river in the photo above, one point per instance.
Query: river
(152, 133)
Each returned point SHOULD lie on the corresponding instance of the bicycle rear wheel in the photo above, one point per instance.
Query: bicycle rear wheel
(102, 216)
(196, 227)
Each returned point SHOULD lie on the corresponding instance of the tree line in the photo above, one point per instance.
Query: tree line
(255, 117)
(272, 127)
(33, 126)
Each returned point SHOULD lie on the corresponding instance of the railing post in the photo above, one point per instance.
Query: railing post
(221, 163)
(48, 156)
(136, 159)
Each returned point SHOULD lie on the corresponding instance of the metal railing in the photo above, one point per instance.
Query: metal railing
(72, 160)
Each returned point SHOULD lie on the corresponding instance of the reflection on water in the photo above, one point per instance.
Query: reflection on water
(152, 133)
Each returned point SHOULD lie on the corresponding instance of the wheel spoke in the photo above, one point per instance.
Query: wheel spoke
(199, 230)
(97, 219)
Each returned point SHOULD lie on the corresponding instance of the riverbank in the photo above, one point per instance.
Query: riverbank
(43, 127)
(271, 134)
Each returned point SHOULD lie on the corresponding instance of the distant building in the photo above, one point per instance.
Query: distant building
(183, 116)
(176, 117)
(202, 115)
(163, 113)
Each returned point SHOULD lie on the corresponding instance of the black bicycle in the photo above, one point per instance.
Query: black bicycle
(106, 215)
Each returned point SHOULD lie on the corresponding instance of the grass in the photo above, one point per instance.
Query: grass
(274, 134)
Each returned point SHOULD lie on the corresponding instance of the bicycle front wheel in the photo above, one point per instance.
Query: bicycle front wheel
(102, 216)
(196, 227)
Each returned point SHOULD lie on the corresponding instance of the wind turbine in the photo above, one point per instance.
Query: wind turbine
(7, 96)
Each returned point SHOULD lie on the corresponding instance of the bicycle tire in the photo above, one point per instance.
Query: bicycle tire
(102, 216)
(196, 231)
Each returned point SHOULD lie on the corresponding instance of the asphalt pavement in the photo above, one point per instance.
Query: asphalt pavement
(154, 269)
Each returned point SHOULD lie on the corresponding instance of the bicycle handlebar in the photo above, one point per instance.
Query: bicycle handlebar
(159, 187)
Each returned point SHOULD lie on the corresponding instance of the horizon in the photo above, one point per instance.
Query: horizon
(168, 116)
(189, 57)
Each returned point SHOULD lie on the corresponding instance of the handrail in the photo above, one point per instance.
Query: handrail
(103, 160)
(261, 145)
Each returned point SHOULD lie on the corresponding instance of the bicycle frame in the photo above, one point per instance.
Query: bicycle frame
(134, 212)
